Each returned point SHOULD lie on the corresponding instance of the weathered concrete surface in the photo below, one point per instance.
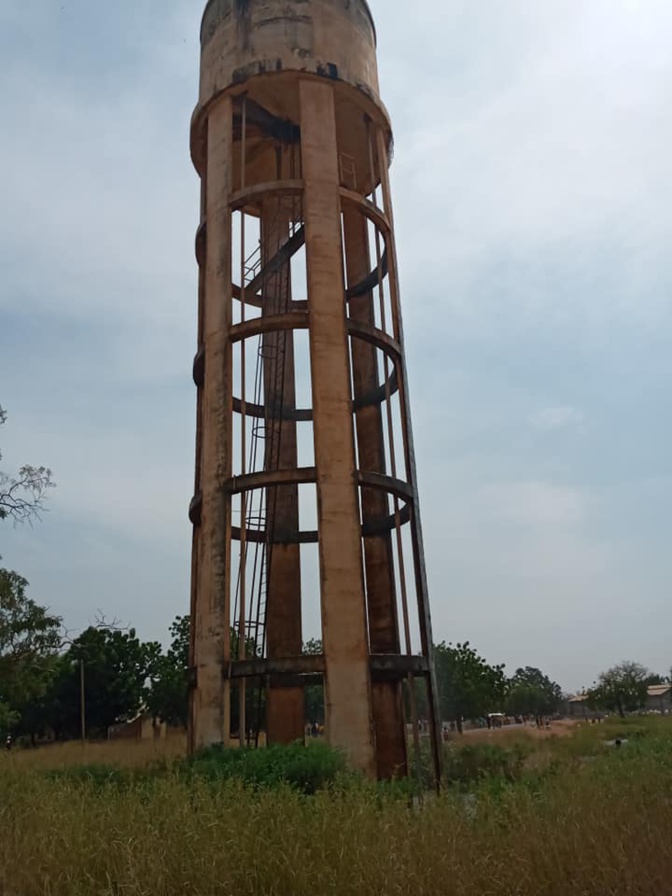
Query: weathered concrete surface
(380, 585)
(262, 46)
(244, 38)
(210, 698)
(285, 707)
(196, 535)
(347, 682)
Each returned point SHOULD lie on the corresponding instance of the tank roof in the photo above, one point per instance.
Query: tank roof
(363, 3)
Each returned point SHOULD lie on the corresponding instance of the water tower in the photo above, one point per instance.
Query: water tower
(305, 511)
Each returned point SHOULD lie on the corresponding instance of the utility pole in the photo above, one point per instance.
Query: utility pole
(82, 702)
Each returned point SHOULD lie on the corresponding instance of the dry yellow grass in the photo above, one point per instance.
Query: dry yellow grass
(122, 753)
(595, 829)
(560, 728)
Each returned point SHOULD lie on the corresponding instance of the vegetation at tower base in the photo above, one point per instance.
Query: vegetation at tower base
(306, 769)
(576, 815)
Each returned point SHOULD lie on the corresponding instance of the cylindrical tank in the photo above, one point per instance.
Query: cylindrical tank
(298, 297)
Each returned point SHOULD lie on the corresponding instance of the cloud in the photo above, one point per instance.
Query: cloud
(544, 167)
(532, 504)
(101, 206)
(551, 419)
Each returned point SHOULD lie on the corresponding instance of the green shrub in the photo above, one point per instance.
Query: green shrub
(476, 761)
(306, 769)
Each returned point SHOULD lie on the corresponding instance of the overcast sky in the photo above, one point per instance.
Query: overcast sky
(533, 189)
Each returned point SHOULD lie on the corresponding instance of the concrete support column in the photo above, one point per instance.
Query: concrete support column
(196, 535)
(210, 699)
(347, 678)
(388, 714)
(285, 708)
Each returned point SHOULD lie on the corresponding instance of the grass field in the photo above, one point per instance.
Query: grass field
(569, 815)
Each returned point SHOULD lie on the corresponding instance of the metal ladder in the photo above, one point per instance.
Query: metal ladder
(266, 433)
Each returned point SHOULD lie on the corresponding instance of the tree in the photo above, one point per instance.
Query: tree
(654, 679)
(9, 718)
(468, 686)
(167, 696)
(622, 688)
(313, 647)
(29, 639)
(314, 693)
(22, 496)
(117, 667)
(41, 714)
(530, 692)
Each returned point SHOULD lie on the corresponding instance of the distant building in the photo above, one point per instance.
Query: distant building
(578, 708)
(659, 698)
(142, 727)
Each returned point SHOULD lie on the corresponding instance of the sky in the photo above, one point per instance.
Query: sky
(533, 203)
